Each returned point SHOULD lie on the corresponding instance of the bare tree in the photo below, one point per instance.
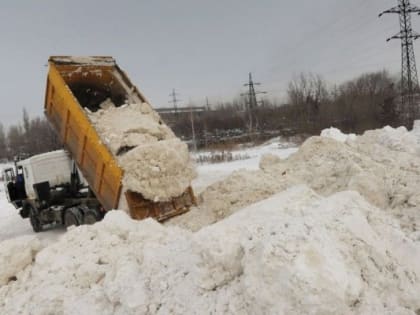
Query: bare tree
(26, 121)
(308, 92)
(3, 144)
(35, 136)
(362, 101)
(40, 137)
(16, 141)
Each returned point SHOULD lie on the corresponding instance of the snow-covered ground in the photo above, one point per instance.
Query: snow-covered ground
(209, 173)
(331, 229)
(12, 224)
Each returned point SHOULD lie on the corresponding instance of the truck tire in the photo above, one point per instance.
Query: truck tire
(25, 211)
(34, 219)
(91, 216)
(73, 216)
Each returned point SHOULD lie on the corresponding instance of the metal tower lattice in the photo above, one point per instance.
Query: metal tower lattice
(174, 101)
(252, 102)
(409, 78)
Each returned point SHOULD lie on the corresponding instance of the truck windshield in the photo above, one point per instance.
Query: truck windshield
(9, 174)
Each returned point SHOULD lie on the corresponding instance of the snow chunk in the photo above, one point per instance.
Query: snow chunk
(396, 139)
(337, 135)
(159, 171)
(15, 255)
(267, 160)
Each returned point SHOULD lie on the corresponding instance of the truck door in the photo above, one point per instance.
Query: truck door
(9, 184)
(20, 183)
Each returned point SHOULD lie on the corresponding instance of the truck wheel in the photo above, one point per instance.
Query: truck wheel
(35, 222)
(91, 216)
(73, 216)
(25, 211)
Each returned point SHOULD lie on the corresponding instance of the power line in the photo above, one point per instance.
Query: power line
(330, 26)
(349, 60)
(409, 79)
(334, 27)
(336, 48)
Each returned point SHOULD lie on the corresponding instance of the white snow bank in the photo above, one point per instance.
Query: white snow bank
(15, 255)
(336, 134)
(416, 131)
(155, 162)
(294, 253)
(12, 225)
(221, 199)
(382, 165)
(396, 139)
(210, 173)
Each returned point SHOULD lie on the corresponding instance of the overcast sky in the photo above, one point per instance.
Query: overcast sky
(200, 48)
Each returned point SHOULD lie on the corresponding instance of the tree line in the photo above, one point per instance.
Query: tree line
(368, 101)
(31, 136)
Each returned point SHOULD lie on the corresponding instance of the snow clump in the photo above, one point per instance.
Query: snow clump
(336, 134)
(15, 255)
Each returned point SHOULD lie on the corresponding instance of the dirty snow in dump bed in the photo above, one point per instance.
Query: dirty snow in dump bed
(155, 162)
(293, 253)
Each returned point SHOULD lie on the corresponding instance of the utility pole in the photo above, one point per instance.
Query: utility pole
(205, 122)
(252, 103)
(409, 79)
(174, 101)
(207, 103)
(193, 129)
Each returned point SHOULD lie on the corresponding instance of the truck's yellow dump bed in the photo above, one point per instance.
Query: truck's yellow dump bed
(69, 81)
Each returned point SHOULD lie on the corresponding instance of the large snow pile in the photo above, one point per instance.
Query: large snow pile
(294, 253)
(156, 163)
(382, 165)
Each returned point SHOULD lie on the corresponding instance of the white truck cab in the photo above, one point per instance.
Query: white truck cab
(54, 167)
(50, 189)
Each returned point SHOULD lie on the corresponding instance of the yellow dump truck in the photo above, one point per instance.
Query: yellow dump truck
(74, 85)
